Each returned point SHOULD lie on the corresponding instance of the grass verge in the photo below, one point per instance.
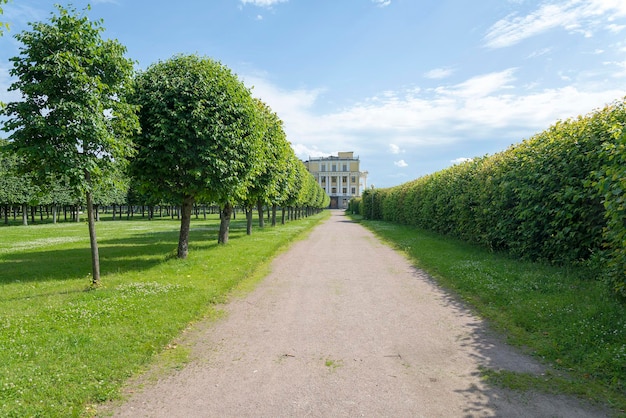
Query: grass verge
(562, 315)
(65, 347)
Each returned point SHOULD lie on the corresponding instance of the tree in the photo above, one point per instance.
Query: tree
(201, 136)
(3, 25)
(265, 189)
(15, 187)
(73, 119)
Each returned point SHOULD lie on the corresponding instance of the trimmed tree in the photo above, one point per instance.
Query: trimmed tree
(73, 119)
(265, 190)
(201, 136)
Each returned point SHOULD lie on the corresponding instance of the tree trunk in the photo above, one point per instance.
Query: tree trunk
(248, 220)
(226, 211)
(183, 238)
(259, 206)
(274, 215)
(25, 214)
(54, 213)
(282, 220)
(91, 221)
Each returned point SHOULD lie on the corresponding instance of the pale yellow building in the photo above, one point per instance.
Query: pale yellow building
(340, 176)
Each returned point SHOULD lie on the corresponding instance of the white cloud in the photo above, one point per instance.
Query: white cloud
(457, 118)
(382, 3)
(539, 52)
(580, 16)
(400, 164)
(394, 149)
(616, 28)
(461, 160)
(304, 152)
(263, 3)
(482, 85)
(439, 73)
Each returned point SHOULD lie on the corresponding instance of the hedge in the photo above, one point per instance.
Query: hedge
(558, 196)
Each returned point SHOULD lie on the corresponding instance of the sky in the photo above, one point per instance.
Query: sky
(410, 86)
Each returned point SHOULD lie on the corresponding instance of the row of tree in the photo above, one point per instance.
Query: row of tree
(184, 130)
(559, 196)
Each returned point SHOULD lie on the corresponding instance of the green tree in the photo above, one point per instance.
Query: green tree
(265, 189)
(3, 25)
(16, 188)
(201, 136)
(73, 119)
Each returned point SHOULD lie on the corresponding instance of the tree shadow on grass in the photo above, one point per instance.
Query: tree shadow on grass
(490, 352)
(138, 252)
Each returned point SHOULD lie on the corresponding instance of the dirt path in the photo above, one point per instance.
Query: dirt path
(344, 326)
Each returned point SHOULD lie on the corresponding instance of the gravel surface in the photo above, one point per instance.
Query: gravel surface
(345, 327)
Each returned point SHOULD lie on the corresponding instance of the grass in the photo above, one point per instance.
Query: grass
(562, 315)
(65, 347)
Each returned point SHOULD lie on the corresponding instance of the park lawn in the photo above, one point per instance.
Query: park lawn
(65, 346)
(564, 316)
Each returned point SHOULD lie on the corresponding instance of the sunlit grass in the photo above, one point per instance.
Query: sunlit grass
(64, 346)
(562, 315)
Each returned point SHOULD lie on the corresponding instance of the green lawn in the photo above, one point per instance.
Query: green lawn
(564, 316)
(65, 347)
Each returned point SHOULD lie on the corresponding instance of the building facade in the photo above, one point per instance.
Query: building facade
(340, 176)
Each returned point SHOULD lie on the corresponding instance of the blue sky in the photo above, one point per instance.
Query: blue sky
(410, 86)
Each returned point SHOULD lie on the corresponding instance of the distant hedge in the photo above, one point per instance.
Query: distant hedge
(558, 196)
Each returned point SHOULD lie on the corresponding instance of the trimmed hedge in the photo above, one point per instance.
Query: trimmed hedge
(558, 196)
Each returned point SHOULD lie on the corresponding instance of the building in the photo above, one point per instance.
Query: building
(340, 176)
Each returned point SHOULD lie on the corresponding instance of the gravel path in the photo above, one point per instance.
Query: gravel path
(345, 327)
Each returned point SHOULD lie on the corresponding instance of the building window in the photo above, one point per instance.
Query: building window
(322, 167)
(345, 190)
(344, 179)
(353, 179)
(323, 179)
(345, 167)
(353, 190)
(333, 179)
(334, 167)
(334, 190)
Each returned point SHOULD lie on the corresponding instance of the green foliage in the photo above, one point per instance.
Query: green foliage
(354, 206)
(73, 118)
(557, 314)
(64, 348)
(201, 131)
(558, 196)
(612, 187)
(15, 187)
(3, 25)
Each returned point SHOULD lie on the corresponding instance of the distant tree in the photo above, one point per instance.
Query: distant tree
(266, 187)
(73, 119)
(16, 188)
(201, 136)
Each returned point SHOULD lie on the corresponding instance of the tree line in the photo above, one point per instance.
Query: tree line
(91, 129)
(559, 197)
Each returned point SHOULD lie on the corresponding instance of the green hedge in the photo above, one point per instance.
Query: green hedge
(557, 197)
